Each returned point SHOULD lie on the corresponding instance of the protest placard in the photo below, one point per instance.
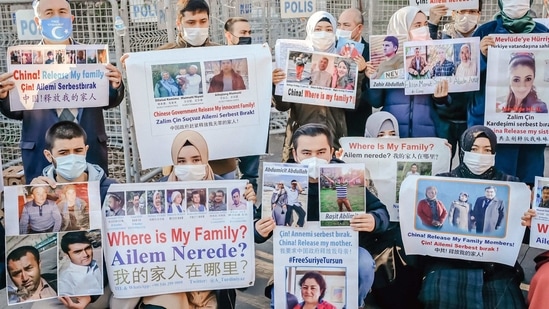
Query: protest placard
(281, 58)
(285, 188)
(58, 76)
(540, 223)
(429, 62)
(388, 161)
(425, 5)
(328, 255)
(515, 107)
(387, 57)
(467, 219)
(57, 231)
(342, 194)
(331, 82)
(181, 238)
(172, 94)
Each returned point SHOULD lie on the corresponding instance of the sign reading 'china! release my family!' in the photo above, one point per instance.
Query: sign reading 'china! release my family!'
(58, 76)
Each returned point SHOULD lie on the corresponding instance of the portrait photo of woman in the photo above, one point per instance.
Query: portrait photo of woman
(522, 97)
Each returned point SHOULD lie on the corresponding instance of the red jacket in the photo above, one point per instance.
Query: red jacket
(216, 84)
(425, 214)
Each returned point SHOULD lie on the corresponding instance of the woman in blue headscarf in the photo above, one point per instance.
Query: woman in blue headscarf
(522, 160)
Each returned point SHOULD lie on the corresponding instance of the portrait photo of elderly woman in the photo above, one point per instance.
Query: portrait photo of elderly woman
(522, 96)
(466, 66)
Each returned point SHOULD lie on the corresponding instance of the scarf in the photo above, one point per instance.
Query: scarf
(525, 24)
(195, 139)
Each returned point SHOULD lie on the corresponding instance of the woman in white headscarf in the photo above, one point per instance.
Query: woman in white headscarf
(415, 113)
(321, 28)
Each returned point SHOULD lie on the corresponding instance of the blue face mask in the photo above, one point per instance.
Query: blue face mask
(56, 29)
(71, 166)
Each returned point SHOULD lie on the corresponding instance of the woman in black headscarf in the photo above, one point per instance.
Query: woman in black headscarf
(453, 283)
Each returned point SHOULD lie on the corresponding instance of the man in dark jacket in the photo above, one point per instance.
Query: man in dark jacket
(312, 146)
(36, 122)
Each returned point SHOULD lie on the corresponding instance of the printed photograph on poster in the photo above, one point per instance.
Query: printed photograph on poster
(465, 219)
(331, 81)
(472, 209)
(349, 48)
(388, 161)
(135, 203)
(226, 75)
(516, 108)
(44, 210)
(174, 199)
(217, 199)
(426, 5)
(58, 76)
(285, 188)
(386, 56)
(427, 63)
(540, 223)
(80, 263)
(188, 106)
(156, 202)
(31, 268)
(342, 193)
(281, 58)
(176, 80)
(179, 240)
(196, 200)
(316, 286)
(411, 168)
(300, 71)
(114, 205)
(327, 278)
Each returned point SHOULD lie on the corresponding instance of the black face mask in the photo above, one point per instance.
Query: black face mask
(244, 40)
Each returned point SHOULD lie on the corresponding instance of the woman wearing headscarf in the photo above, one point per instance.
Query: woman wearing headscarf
(190, 158)
(415, 113)
(523, 160)
(488, 285)
(321, 28)
(381, 124)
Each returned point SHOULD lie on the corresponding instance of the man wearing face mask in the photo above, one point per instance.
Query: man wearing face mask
(465, 22)
(312, 147)
(53, 15)
(66, 150)
(496, 285)
(193, 21)
(523, 160)
(349, 26)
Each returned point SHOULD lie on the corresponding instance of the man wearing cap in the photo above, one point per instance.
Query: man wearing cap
(40, 215)
(56, 15)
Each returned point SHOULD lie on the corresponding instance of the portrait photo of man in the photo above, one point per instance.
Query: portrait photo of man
(320, 76)
(417, 67)
(544, 203)
(24, 270)
(237, 203)
(443, 66)
(389, 67)
(488, 212)
(219, 203)
(227, 79)
(80, 274)
(40, 215)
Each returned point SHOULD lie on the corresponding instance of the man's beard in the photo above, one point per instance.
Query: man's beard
(25, 293)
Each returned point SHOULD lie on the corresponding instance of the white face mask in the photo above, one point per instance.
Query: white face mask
(195, 36)
(515, 8)
(71, 166)
(312, 164)
(420, 34)
(322, 40)
(190, 172)
(478, 163)
(343, 34)
(466, 22)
